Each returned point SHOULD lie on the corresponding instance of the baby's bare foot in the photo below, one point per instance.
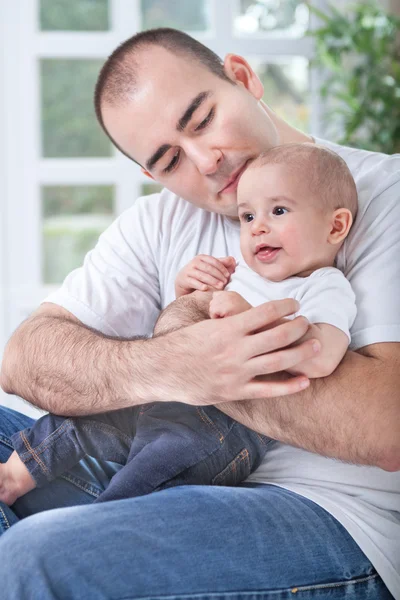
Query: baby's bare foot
(15, 480)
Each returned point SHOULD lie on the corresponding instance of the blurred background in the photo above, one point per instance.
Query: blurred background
(333, 72)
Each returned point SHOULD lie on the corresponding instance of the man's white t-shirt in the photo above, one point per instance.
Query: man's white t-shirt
(129, 277)
(325, 296)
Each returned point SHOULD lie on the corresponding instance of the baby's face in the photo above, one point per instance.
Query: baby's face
(283, 229)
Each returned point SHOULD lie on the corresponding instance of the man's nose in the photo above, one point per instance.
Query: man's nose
(206, 159)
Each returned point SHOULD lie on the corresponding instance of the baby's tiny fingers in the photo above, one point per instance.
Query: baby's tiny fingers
(216, 266)
(208, 279)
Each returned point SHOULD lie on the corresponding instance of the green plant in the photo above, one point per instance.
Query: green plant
(360, 55)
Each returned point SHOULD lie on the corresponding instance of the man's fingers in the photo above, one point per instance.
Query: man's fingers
(273, 389)
(277, 337)
(258, 317)
(283, 360)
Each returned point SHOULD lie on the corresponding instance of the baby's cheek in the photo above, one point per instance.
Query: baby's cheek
(294, 237)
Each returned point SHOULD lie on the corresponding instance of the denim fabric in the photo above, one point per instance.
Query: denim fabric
(80, 485)
(162, 444)
(251, 542)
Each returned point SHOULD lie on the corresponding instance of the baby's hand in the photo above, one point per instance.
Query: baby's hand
(15, 480)
(204, 273)
(227, 304)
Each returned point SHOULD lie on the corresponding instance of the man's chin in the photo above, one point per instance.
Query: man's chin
(226, 204)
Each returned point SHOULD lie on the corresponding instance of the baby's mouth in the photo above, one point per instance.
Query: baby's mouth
(266, 253)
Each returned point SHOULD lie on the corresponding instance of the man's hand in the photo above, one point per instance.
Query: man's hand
(227, 304)
(220, 360)
(204, 273)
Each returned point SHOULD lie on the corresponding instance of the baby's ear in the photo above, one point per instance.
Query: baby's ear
(341, 223)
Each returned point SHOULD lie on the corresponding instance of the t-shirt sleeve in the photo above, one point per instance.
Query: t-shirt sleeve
(116, 291)
(372, 264)
(327, 297)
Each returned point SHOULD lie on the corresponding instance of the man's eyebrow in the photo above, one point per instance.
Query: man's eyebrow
(157, 155)
(183, 121)
(193, 106)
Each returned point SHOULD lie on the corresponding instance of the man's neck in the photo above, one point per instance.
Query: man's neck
(287, 134)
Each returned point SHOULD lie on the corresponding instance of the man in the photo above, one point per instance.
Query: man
(324, 526)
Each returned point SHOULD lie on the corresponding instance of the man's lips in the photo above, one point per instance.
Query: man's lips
(233, 182)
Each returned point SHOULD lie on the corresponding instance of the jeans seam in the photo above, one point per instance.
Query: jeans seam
(108, 429)
(49, 439)
(4, 516)
(206, 419)
(232, 466)
(336, 584)
(254, 593)
(86, 487)
(35, 456)
(6, 441)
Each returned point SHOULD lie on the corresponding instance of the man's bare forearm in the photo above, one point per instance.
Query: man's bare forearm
(344, 416)
(69, 369)
(66, 368)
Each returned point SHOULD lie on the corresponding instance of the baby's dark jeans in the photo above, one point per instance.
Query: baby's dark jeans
(162, 444)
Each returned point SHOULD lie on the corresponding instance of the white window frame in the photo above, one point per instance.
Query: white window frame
(23, 171)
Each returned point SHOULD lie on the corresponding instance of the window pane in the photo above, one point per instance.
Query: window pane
(74, 15)
(73, 219)
(286, 88)
(69, 125)
(276, 17)
(190, 16)
(150, 188)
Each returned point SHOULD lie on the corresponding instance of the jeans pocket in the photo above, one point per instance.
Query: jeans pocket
(236, 471)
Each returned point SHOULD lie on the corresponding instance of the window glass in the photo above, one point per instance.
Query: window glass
(69, 125)
(286, 87)
(286, 18)
(73, 217)
(74, 15)
(186, 15)
(150, 188)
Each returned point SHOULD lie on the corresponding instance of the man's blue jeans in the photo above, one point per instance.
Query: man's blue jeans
(251, 542)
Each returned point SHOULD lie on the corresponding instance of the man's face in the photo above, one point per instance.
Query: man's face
(192, 131)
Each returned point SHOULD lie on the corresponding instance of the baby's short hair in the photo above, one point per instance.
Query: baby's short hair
(327, 173)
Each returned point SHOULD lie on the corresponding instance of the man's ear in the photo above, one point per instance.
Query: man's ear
(341, 222)
(239, 71)
(147, 173)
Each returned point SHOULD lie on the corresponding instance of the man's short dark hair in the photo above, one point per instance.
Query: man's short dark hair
(119, 75)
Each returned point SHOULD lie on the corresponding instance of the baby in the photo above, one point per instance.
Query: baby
(296, 206)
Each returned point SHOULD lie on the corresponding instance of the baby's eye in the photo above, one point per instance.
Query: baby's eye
(247, 217)
(278, 210)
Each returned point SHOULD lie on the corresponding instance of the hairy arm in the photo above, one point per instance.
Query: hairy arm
(352, 415)
(56, 363)
(60, 365)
